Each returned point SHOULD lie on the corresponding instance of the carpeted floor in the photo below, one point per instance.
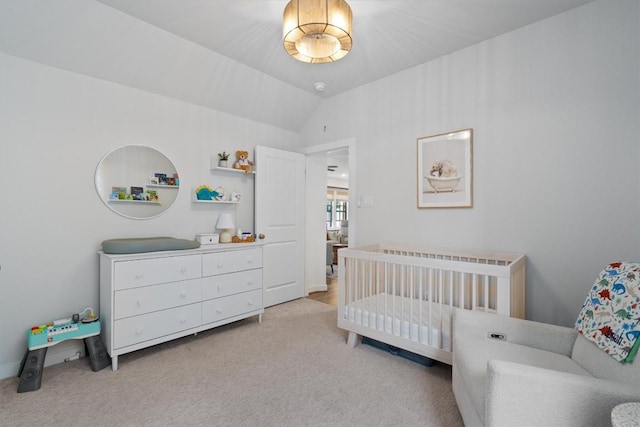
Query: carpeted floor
(294, 369)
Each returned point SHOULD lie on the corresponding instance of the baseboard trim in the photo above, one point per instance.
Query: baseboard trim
(318, 288)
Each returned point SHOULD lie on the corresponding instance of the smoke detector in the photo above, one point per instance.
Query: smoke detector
(319, 86)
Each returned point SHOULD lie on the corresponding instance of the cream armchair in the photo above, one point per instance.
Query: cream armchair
(330, 253)
(513, 372)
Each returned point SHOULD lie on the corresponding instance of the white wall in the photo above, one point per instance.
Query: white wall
(54, 128)
(554, 107)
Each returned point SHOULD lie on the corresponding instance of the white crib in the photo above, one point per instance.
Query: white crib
(404, 296)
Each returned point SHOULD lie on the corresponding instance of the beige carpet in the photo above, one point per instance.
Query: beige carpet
(294, 369)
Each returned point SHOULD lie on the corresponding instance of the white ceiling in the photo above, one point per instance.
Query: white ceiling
(388, 35)
(227, 55)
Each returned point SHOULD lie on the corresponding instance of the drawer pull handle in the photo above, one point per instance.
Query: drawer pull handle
(138, 275)
(183, 270)
(183, 294)
(219, 310)
(250, 260)
(182, 320)
(220, 265)
(139, 331)
(250, 303)
(139, 302)
(219, 290)
(249, 282)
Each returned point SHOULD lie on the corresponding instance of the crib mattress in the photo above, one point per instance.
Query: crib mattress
(421, 321)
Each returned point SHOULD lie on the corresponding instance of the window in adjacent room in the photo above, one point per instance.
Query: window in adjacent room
(337, 207)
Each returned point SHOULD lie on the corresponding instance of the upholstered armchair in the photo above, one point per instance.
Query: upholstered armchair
(514, 372)
(330, 253)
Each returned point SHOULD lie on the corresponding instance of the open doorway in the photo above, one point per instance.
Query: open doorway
(337, 199)
(337, 220)
(331, 213)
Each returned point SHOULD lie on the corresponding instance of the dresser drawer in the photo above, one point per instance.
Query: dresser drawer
(136, 301)
(231, 261)
(145, 272)
(234, 305)
(134, 330)
(232, 283)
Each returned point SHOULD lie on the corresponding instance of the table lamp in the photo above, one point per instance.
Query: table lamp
(225, 225)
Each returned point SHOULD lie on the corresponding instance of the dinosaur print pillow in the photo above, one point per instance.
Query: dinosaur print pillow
(610, 315)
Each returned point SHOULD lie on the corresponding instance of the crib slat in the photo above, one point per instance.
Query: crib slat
(486, 293)
(474, 292)
(431, 296)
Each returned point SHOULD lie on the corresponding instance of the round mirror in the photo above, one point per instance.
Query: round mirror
(137, 181)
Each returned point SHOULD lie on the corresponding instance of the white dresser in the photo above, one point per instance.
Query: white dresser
(150, 298)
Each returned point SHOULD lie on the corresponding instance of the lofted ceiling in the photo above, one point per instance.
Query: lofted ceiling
(389, 35)
(227, 55)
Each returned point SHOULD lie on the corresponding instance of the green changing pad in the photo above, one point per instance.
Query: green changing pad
(147, 244)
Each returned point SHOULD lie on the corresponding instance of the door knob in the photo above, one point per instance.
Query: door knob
(261, 236)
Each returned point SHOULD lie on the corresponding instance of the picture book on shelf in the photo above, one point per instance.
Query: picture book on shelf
(152, 195)
(162, 177)
(136, 192)
(118, 192)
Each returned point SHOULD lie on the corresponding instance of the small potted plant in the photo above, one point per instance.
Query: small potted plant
(223, 157)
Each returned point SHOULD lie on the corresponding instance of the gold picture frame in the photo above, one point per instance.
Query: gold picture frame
(445, 170)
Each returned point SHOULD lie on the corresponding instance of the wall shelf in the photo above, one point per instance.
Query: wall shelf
(194, 199)
(213, 165)
(144, 202)
(240, 171)
(220, 202)
(162, 186)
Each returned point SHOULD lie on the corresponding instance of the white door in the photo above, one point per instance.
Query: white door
(280, 207)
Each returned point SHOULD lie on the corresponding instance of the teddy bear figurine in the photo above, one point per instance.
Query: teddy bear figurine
(243, 162)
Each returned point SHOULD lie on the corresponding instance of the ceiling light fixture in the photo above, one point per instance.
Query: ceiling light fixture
(317, 31)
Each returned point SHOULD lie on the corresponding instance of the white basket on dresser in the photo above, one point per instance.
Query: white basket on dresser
(150, 298)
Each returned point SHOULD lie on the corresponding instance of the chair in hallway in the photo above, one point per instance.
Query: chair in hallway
(330, 253)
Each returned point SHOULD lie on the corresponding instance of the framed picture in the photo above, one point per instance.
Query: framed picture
(445, 178)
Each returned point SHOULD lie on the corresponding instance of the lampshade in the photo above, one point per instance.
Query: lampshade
(317, 30)
(225, 220)
(225, 223)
